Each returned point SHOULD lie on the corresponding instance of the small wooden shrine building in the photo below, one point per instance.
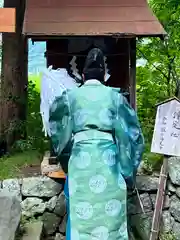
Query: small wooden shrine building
(71, 27)
(114, 25)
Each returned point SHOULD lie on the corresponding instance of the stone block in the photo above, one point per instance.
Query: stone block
(40, 187)
(10, 215)
(33, 231)
(50, 223)
(32, 206)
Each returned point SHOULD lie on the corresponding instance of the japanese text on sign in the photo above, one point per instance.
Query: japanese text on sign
(166, 137)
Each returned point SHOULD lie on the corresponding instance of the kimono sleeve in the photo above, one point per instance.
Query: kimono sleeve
(60, 123)
(129, 139)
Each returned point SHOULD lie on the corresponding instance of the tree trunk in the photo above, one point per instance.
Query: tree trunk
(14, 79)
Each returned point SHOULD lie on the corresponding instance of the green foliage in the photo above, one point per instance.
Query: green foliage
(159, 79)
(150, 91)
(167, 236)
(36, 79)
(35, 138)
(11, 166)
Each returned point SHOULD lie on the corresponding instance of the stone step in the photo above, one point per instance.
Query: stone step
(51, 170)
(33, 231)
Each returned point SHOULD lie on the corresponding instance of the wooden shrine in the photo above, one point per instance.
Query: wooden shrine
(116, 22)
(70, 28)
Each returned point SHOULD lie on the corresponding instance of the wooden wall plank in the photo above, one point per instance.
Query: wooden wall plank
(90, 14)
(7, 19)
(87, 3)
(87, 28)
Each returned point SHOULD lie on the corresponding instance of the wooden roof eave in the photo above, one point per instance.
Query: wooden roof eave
(118, 18)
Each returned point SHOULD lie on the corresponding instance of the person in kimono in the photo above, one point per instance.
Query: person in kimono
(106, 152)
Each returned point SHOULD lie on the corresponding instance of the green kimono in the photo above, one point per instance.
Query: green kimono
(106, 153)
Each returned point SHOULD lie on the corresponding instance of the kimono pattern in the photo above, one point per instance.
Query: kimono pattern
(107, 150)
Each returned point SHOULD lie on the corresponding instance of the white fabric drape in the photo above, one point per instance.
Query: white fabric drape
(53, 83)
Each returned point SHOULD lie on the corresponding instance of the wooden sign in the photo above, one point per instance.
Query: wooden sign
(7, 20)
(166, 137)
(166, 141)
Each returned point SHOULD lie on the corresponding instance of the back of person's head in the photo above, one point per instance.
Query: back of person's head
(94, 67)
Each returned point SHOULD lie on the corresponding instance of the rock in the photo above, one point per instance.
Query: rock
(167, 222)
(176, 231)
(13, 186)
(60, 208)
(62, 226)
(134, 205)
(33, 230)
(50, 223)
(32, 206)
(10, 215)
(175, 207)
(166, 201)
(174, 173)
(50, 205)
(40, 187)
(141, 224)
(131, 235)
(171, 188)
(153, 199)
(178, 192)
(59, 236)
(147, 183)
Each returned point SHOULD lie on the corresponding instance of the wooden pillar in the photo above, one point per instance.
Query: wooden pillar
(14, 79)
(132, 53)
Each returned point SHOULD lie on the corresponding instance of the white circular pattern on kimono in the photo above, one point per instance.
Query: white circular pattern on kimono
(72, 186)
(75, 234)
(123, 125)
(109, 157)
(84, 210)
(121, 182)
(138, 154)
(80, 117)
(97, 184)
(126, 150)
(113, 208)
(123, 229)
(83, 160)
(64, 121)
(104, 117)
(100, 233)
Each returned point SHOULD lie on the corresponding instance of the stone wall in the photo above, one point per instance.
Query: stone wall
(147, 185)
(43, 199)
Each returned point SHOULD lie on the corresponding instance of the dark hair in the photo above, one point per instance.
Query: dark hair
(94, 67)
